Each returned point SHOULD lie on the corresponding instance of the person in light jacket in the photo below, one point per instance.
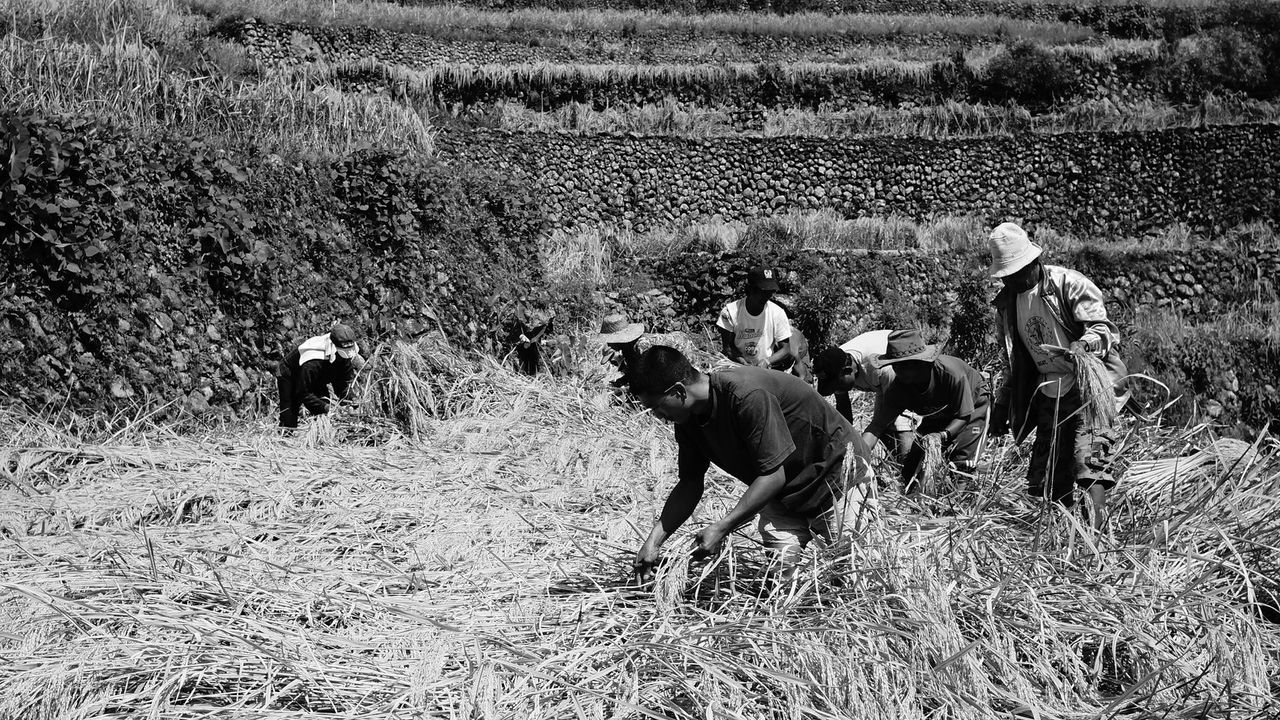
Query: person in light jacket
(305, 375)
(1043, 311)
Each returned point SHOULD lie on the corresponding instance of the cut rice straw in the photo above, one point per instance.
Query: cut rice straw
(484, 571)
(1096, 388)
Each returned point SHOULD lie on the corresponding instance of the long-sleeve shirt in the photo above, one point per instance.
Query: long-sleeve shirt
(1078, 305)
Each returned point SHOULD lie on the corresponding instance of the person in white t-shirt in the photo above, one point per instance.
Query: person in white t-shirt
(755, 330)
(854, 366)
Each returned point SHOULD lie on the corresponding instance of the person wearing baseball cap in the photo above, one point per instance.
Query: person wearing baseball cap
(622, 338)
(950, 397)
(305, 375)
(755, 330)
(852, 366)
(1043, 312)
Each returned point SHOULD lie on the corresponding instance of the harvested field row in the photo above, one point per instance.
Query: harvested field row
(482, 572)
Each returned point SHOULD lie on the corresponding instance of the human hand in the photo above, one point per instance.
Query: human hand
(998, 420)
(708, 540)
(646, 560)
(1086, 344)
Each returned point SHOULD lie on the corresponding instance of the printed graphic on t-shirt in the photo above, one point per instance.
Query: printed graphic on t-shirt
(755, 336)
(1038, 333)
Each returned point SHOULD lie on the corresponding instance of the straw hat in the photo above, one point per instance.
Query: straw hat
(1011, 250)
(907, 345)
(615, 330)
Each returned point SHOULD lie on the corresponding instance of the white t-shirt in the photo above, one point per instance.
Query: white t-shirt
(865, 350)
(755, 335)
(1038, 326)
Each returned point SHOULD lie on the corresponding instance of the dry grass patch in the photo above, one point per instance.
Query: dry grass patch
(481, 571)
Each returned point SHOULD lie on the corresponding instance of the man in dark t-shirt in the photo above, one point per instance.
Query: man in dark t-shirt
(949, 395)
(771, 431)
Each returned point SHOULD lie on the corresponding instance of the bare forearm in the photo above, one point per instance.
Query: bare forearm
(781, 357)
(844, 406)
(680, 504)
(759, 493)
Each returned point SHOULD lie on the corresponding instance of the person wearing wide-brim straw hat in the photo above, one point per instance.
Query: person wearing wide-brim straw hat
(622, 337)
(852, 366)
(1044, 313)
(948, 394)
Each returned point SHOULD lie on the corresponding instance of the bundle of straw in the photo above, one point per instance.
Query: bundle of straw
(1097, 393)
(1221, 455)
(932, 464)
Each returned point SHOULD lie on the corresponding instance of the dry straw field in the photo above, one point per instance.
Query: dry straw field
(459, 545)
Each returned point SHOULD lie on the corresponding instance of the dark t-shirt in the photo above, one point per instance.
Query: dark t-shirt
(952, 393)
(764, 419)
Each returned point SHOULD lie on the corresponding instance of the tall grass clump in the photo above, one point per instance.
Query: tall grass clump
(212, 90)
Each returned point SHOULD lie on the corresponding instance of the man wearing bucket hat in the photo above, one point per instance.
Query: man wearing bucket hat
(769, 430)
(305, 375)
(1041, 310)
(950, 397)
(755, 330)
(852, 366)
(622, 338)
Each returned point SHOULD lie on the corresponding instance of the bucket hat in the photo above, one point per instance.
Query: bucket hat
(1011, 250)
(616, 330)
(907, 345)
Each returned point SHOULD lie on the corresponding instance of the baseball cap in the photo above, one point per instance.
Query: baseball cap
(762, 278)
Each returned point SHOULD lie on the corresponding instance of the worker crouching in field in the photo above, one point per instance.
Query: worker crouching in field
(622, 340)
(305, 375)
(755, 330)
(950, 397)
(852, 366)
(1045, 312)
(769, 430)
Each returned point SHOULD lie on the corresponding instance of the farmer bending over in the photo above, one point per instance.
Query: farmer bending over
(621, 338)
(755, 330)
(1044, 311)
(949, 396)
(852, 366)
(305, 374)
(768, 429)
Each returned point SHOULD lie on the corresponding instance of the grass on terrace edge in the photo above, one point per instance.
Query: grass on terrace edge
(482, 572)
(828, 230)
(219, 91)
(454, 21)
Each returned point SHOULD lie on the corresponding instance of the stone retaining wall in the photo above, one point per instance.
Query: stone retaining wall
(1100, 183)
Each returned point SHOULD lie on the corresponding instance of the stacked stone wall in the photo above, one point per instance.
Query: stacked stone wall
(1101, 184)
